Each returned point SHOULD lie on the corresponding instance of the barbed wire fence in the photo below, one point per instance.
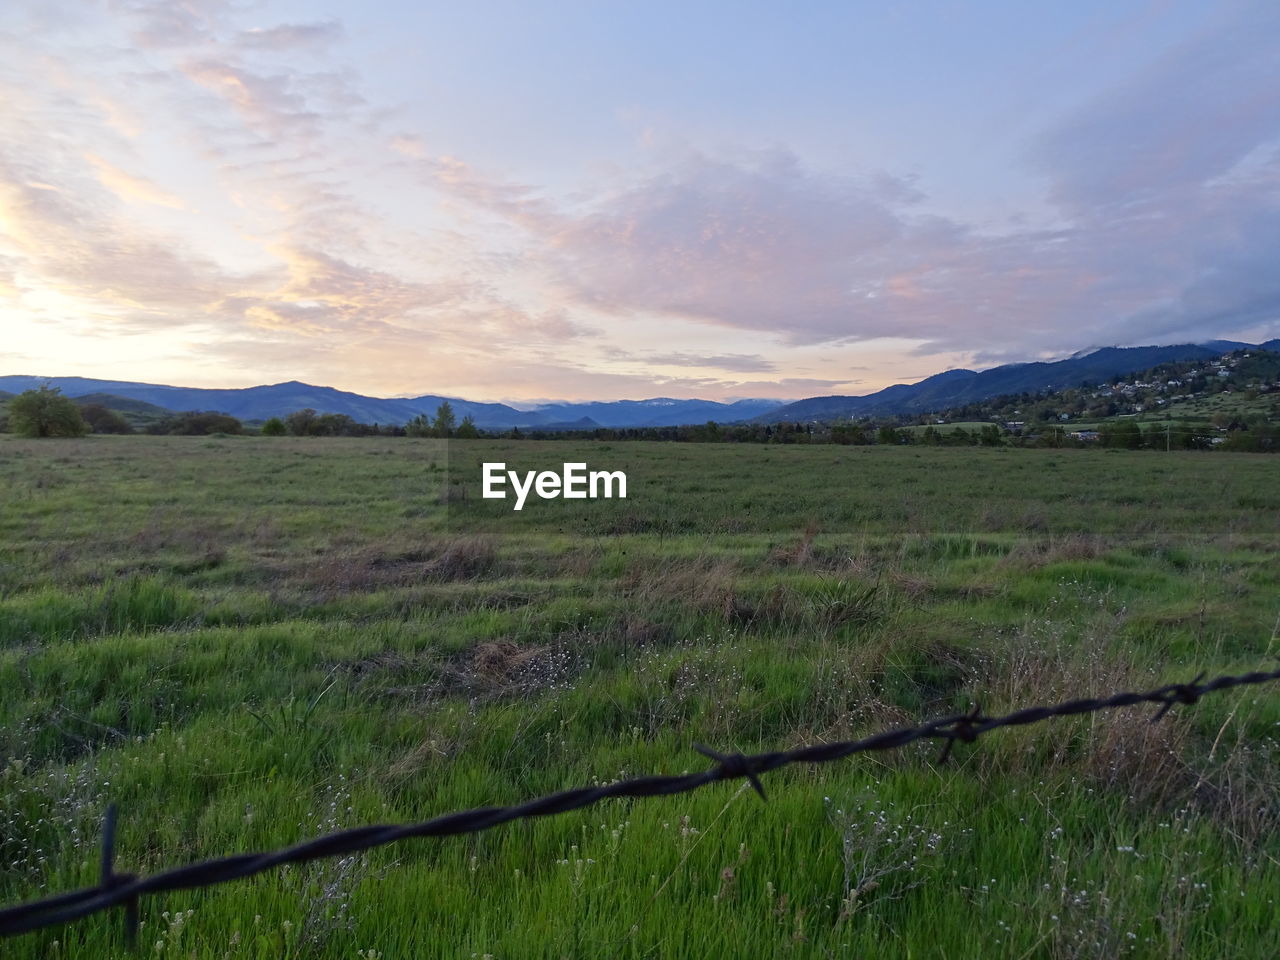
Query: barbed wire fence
(125, 890)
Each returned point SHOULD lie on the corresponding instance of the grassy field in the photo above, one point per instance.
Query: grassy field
(246, 642)
(1197, 415)
(1237, 403)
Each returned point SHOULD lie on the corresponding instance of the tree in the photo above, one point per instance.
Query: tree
(444, 422)
(274, 428)
(1123, 434)
(888, 435)
(46, 413)
(199, 423)
(848, 433)
(302, 423)
(419, 426)
(467, 429)
(104, 420)
(336, 425)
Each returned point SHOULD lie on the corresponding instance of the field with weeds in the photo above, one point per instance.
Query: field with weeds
(247, 642)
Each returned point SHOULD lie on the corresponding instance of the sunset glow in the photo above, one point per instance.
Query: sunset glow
(607, 201)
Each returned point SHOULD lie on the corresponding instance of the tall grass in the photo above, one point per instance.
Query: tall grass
(246, 643)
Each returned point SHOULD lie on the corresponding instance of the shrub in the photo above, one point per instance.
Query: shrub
(301, 423)
(46, 413)
(198, 423)
(104, 420)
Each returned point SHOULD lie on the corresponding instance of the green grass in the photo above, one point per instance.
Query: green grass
(1237, 403)
(246, 642)
(969, 425)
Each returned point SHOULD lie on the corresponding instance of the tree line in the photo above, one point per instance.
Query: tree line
(46, 412)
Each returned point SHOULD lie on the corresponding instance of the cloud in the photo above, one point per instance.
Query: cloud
(475, 376)
(315, 238)
(9, 288)
(792, 387)
(762, 243)
(1188, 117)
(68, 244)
(290, 35)
(128, 187)
(271, 104)
(323, 294)
(162, 24)
(1167, 187)
(738, 362)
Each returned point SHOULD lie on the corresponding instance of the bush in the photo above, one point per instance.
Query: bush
(274, 428)
(198, 423)
(309, 423)
(46, 413)
(104, 420)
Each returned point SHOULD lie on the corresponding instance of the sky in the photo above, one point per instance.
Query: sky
(576, 200)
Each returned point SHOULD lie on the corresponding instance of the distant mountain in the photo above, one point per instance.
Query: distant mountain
(950, 388)
(281, 399)
(1226, 346)
(583, 423)
(659, 412)
(954, 388)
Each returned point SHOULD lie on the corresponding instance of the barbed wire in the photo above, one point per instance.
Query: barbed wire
(126, 889)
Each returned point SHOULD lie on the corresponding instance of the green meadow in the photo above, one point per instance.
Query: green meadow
(246, 642)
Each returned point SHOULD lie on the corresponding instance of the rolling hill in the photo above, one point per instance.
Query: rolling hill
(954, 388)
(122, 404)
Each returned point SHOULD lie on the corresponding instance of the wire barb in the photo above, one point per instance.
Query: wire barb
(125, 890)
(1187, 693)
(733, 766)
(962, 728)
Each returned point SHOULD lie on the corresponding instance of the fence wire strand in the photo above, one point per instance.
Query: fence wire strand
(125, 890)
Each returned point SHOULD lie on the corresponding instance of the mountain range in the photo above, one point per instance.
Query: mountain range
(938, 392)
(281, 399)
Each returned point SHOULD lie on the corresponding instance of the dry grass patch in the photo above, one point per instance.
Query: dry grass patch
(366, 569)
(1033, 553)
(703, 583)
